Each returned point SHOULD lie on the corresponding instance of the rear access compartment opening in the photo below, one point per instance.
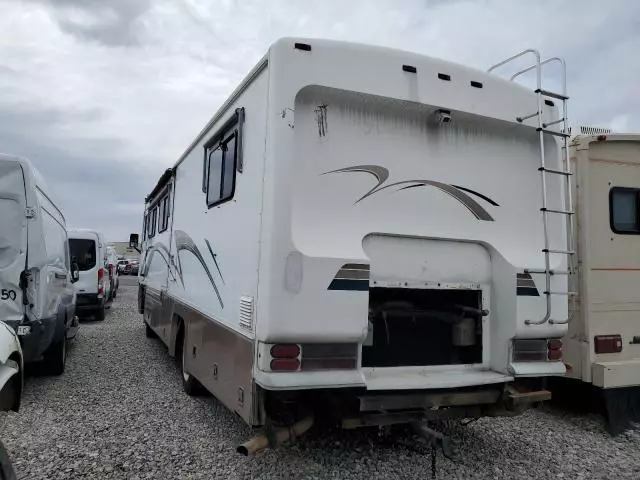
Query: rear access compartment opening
(420, 327)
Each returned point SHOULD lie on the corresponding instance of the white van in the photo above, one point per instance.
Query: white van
(37, 297)
(89, 251)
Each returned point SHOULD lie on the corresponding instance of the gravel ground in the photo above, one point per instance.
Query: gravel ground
(119, 412)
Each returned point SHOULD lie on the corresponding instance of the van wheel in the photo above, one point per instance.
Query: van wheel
(6, 468)
(190, 385)
(100, 314)
(56, 357)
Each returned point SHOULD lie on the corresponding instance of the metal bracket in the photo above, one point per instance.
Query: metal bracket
(30, 212)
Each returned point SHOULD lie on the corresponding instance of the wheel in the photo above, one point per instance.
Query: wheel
(190, 385)
(100, 314)
(6, 468)
(56, 357)
(148, 331)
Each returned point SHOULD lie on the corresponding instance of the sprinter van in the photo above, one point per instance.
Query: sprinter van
(37, 297)
(89, 251)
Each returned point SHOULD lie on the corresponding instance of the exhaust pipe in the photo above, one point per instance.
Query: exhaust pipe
(280, 435)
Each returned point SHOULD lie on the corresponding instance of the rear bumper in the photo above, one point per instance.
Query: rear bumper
(87, 302)
(38, 340)
(616, 374)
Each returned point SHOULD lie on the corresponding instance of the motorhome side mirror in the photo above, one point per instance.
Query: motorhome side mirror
(75, 272)
(133, 240)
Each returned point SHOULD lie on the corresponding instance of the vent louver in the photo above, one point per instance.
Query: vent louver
(246, 312)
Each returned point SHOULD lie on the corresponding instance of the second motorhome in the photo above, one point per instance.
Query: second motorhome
(602, 345)
(365, 234)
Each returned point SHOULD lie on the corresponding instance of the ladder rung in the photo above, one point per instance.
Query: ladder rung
(561, 212)
(553, 132)
(565, 252)
(570, 294)
(552, 170)
(545, 125)
(551, 272)
(522, 119)
(547, 93)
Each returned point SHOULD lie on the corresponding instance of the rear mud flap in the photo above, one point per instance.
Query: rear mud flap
(622, 408)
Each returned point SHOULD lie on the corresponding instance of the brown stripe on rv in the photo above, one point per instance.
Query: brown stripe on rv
(344, 274)
(355, 266)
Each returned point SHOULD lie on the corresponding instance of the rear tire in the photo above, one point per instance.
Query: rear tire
(100, 313)
(56, 357)
(148, 331)
(190, 385)
(6, 468)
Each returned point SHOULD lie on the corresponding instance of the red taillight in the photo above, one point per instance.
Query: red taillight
(554, 344)
(285, 350)
(285, 364)
(100, 281)
(554, 349)
(607, 343)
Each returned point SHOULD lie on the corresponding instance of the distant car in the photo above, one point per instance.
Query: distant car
(122, 264)
(134, 267)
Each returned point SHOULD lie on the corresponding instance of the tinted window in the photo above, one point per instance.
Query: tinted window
(83, 252)
(623, 210)
(215, 176)
(152, 222)
(229, 168)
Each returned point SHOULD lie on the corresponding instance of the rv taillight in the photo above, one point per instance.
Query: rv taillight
(329, 356)
(554, 349)
(285, 364)
(101, 281)
(607, 343)
(285, 350)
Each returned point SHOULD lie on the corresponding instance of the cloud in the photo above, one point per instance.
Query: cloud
(103, 96)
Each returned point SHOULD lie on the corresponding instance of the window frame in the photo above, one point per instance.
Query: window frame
(612, 193)
(164, 221)
(220, 199)
(232, 130)
(152, 223)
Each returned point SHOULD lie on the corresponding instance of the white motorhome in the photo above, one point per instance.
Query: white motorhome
(89, 251)
(368, 233)
(37, 297)
(602, 345)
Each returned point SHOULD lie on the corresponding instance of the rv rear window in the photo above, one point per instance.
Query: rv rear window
(623, 210)
(163, 220)
(83, 252)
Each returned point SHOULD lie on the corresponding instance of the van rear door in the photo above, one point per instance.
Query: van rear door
(13, 238)
(84, 251)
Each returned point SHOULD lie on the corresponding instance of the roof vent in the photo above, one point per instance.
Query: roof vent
(586, 130)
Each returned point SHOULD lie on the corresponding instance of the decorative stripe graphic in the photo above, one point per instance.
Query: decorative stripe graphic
(215, 261)
(162, 249)
(351, 276)
(382, 174)
(377, 171)
(525, 286)
(184, 242)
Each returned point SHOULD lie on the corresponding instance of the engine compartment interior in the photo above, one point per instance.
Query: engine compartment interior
(420, 327)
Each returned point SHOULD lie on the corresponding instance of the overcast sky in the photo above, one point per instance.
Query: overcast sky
(103, 95)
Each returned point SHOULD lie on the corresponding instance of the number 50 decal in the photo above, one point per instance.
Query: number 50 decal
(6, 294)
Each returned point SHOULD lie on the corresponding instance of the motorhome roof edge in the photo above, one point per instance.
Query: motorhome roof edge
(255, 71)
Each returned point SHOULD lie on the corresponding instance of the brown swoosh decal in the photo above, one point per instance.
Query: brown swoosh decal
(380, 173)
(474, 207)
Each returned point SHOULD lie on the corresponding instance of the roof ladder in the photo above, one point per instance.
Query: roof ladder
(566, 173)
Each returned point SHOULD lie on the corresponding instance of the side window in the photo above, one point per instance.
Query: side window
(222, 159)
(153, 215)
(623, 210)
(163, 213)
